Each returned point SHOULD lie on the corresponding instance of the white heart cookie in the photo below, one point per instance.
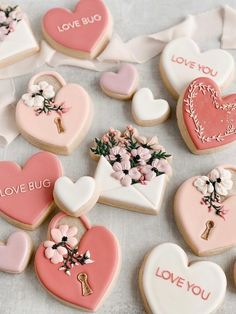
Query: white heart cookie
(170, 285)
(182, 62)
(148, 111)
(75, 198)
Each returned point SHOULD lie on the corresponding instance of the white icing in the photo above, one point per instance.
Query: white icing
(166, 297)
(145, 198)
(73, 196)
(146, 108)
(179, 75)
(18, 42)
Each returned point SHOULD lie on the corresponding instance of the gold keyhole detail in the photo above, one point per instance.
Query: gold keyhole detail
(209, 226)
(83, 279)
(60, 127)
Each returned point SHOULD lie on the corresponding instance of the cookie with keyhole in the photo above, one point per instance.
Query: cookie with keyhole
(204, 211)
(78, 263)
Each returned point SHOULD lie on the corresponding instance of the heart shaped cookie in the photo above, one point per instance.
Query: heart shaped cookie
(205, 211)
(16, 253)
(79, 262)
(148, 111)
(53, 115)
(83, 33)
(121, 85)
(26, 194)
(182, 62)
(75, 198)
(206, 120)
(170, 285)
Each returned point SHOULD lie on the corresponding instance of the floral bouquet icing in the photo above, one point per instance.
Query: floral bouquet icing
(9, 18)
(134, 158)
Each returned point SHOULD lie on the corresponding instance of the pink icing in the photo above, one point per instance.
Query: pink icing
(75, 121)
(212, 117)
(14, 256)
(124, 82)
(25, 194)
(192, 218)
(104, 251)
(80, 30)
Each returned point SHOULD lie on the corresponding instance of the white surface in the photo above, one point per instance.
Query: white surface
(137, 233)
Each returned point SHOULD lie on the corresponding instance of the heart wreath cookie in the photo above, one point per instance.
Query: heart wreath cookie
(53, 115)
(182, 62)
(170, 285)
(205, 211)
(26, 194)
(206, 120)
(132, 171)
(83, 33)
(79, 262)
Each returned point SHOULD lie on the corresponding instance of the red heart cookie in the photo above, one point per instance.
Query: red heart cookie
(53, 115)
(26, 194)
(206, 120)
(78, 270)
(205, 211)
(82, 33)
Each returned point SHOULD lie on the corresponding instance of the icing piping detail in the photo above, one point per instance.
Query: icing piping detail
(9, 18)
(199, 129)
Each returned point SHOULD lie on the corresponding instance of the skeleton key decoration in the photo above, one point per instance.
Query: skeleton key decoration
(86, 289)
(209, 226)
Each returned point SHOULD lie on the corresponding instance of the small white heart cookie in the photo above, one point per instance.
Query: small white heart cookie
(170, 285)
(182, 62)
(75, 198)
(148, 111)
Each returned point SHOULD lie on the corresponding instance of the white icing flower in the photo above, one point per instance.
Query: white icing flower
(44, 89)
(33, 100)
(203, 185)
(222, 180)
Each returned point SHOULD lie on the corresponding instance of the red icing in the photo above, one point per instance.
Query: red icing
(104, 251)
(27, 204)
(78, 33)
(215, 121)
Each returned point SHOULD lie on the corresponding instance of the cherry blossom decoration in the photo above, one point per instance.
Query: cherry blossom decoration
(215, 186)
(63, 249)
(9, 18)
(134, 158)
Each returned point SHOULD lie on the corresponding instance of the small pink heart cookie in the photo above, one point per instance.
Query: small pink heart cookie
(121, 85)
(205, 211)
(53, 115)
(16, 253)
(83, 33)
(26, 194)
(79, 262)
(207, 121)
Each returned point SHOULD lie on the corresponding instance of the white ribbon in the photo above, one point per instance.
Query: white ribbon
(218, 23)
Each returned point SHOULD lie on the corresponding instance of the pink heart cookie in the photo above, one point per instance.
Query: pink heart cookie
(206, 120)
(121, 85)
(95, 251)
(16, 253)
(205, 211)
(83, 33)
(53, 115)
(26, 194)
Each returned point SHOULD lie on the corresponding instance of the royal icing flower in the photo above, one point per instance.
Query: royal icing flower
(3, 32)
(124, 173)
(203, 185)
(222, 180)
(3, 17)
(53, 252)
(9, 17)
(141, 155)
(150, 142)
(157, 166)
(118, 153)
(33, 100)
(65, 234)
(44, 89)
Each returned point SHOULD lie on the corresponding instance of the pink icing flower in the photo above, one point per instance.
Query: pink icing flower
(65, 234)
(151, 142)
(105, 138)
(3, 17)
(118, 153)
(124, 173)
(53, 252)
(3, 33)
(158, 165)
(141, 155)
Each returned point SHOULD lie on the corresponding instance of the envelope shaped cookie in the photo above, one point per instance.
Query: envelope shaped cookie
(132, 170)
(205, 211)
(16, 38)
(78, 263)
